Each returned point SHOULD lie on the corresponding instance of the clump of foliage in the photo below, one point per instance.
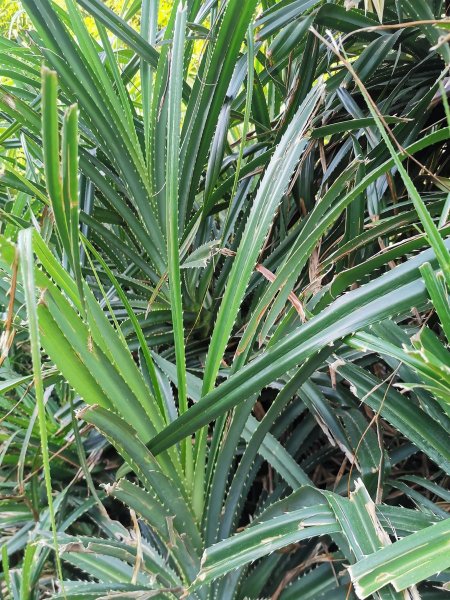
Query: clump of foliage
(224, 276)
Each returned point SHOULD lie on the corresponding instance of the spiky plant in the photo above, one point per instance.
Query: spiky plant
(225, 273)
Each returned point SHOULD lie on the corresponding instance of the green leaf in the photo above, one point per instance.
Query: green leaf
(438, 294)
(393, 293)
(264, 538)
(50, 136)
(25, 248)
(172, 216)
(405, 562)
(428, 435)
(123, 437)
(120, 28)
(270, 193)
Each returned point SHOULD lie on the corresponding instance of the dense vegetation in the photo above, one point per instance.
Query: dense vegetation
(224, 276)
